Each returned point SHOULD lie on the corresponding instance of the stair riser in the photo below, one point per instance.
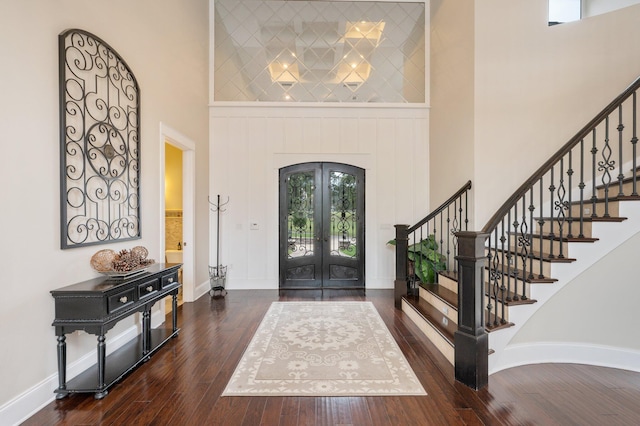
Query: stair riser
(448, 283)
(572, 228)
(614, 189)
(600, 209)
(444, 346)
(513, 286)
(544, 245)
(450, 312)
(516, 261)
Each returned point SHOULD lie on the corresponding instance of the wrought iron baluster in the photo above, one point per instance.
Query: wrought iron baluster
(581, 186)
(594, 197)
(503, 238)
(532, 209)
(620, 172)
(541, 220)
(561, 206)
(511, 258)
(456, 227)
(442, 232)
(605, 165)
(498, 288)
(634, 142)
(492, 271)
(466, 210)
(552, 235)
(525, 243)
(570, 200)
(448, 232)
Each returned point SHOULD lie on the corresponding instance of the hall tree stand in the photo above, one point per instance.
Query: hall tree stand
(96, 306)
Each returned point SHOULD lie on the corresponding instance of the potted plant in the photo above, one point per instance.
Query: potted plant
(424, 259)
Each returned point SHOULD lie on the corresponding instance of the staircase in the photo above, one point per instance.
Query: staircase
(532, 246)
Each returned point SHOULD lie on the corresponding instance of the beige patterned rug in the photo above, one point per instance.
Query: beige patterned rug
(323, 349)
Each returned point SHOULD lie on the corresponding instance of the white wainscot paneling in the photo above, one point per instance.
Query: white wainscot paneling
(249, 144)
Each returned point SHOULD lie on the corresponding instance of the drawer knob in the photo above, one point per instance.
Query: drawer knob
(149, 289)
(123, 299)
(171, 279)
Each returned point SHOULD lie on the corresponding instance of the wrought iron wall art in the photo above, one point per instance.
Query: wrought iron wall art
(99, 136)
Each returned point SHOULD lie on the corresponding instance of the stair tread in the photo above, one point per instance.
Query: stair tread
(536, 278)
(612, 199)
(433, 317)
(564, 238)
(447, 296)
(490, 326)
(545, 257)
(511, 298)
(585, 218)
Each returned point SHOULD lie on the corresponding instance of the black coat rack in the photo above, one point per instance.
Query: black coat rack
(217, 273)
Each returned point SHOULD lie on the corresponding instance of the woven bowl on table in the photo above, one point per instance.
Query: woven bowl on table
(102, 261)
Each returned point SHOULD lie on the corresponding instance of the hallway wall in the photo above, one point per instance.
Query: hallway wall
(165, 44)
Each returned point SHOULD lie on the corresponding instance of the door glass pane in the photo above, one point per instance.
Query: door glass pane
(300, 226)
(342, 187)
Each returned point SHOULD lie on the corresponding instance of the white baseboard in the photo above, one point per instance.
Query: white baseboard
(34, 399)
(271, 284)
(569, 353)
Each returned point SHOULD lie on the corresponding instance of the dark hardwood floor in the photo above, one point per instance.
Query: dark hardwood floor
(182, 383)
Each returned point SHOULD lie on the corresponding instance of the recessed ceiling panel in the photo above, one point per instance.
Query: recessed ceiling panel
(319, 51)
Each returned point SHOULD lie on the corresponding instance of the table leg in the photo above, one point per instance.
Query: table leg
(146, 331)
(174, 311)
(102, 355)
(62, 367)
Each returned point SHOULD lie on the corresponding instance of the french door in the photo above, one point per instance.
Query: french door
(321, 226)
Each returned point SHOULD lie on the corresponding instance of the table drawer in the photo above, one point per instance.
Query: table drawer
(147, 288)
(121, 300)
(169, 279)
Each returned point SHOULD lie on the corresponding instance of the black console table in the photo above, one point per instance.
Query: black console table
(95, 306)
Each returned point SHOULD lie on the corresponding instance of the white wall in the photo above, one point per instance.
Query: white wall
(536, 86)
(452, 98)
(166, 45)
(249, 144)
(608, 305)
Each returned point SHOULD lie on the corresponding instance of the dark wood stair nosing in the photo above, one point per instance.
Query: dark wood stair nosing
(584, 219)
(564, 238)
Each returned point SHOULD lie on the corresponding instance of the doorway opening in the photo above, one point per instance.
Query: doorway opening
(322, 226)
(173, 222)
(172, 139)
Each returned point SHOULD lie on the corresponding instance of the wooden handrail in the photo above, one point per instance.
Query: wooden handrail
(522, 190)
(465, 187)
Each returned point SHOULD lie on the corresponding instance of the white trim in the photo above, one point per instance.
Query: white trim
(572, 353)
(28, 403)
(262, 104)
(188, 147)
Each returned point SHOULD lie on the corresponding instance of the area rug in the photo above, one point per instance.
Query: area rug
(323, 349)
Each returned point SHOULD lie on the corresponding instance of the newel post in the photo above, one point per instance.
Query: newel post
(471, 340)
(402, 245)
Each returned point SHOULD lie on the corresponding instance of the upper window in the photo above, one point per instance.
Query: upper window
(319, 51)
(561, 11)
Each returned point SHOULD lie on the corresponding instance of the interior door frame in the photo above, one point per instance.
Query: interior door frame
(188, 147)
(323, 258)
